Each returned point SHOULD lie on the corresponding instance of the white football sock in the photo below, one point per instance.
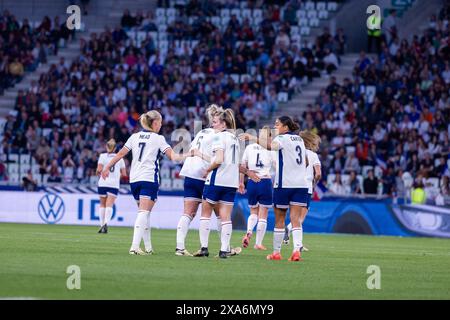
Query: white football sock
(139, 226)
(297, 236)
(147, 235)
(278, 235)
(261, 231)
(289, 227)
(101, 213)
(108, 214)
(182, 230)
(204, 231)
(251, 222)
(227, 229)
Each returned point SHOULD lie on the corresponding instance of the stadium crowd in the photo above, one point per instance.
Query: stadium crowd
(23, 46)
(393, 114)
(65, 118)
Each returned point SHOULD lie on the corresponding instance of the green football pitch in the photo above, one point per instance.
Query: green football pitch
(34, 261)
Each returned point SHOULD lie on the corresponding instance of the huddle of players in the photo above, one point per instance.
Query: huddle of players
(213, 174)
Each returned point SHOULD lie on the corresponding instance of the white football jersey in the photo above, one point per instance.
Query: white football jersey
(227, 174)
(291, 163)
(147, 147)
(113, 180)
(259, 159)
(313, 160)
(194, 167)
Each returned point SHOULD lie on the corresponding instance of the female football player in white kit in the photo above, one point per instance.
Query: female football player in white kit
(290, 185)
(146, 146)
(222, 181)
(108, 188)
(313, 174)
(194, 182)
(260, 198)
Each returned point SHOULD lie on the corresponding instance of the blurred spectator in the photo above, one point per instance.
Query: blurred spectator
(353, 184)
(370, 183)
(336, 187)
(28, 182)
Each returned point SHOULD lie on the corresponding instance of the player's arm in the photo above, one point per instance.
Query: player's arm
(180, 157)
(120, 155)
(216, 161)
(317, 172)
(266, 143)
(99, 169)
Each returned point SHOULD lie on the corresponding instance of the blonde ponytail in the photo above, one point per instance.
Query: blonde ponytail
(146, 119)
(312, 140)
(111, 145)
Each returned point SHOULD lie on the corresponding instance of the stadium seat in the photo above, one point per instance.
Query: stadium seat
(236, 12)
(365, 169)
(171, 12)
(165, 173)
(92, 180)
(140, 36)
(312, 14)
(225, 13)
(162, 28)
(163, 45)
(330, 178)
(35, 170)
(166, 184)
(303, 22)
(433, 181)
(235, 77)
(332, 6)
(301, 14)
(247, 13)
(314, 22)
(283, 97)
(244, 77)
(24, 169)
(215, 21)
(378, 172)
(309, 5)
(177, 184)
(323, 14)
(160, 20)
(25, 159)
(295, 30)
(160, 12)
(2, 124)
(243, 4)
(321, 6)
(345, 178)
(13, 157)
(225, 21)
(257, 14)
(13, 168)
(305, 31)
(170, 20)
(14, 178)
(45, 178)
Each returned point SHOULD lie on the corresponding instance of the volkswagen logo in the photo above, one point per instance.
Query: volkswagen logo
(51, 208)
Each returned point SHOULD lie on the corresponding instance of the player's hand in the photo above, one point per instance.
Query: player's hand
(195, 153)
(205, 174)
(241, 188)
(252, 175)
(105, 173)
(245, 137)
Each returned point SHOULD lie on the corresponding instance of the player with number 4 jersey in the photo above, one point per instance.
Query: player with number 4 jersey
(259, 194)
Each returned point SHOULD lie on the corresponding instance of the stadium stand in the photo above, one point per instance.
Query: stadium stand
(394, 113)
(249, 57)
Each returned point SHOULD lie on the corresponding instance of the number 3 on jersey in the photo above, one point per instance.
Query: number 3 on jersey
(299, 159)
